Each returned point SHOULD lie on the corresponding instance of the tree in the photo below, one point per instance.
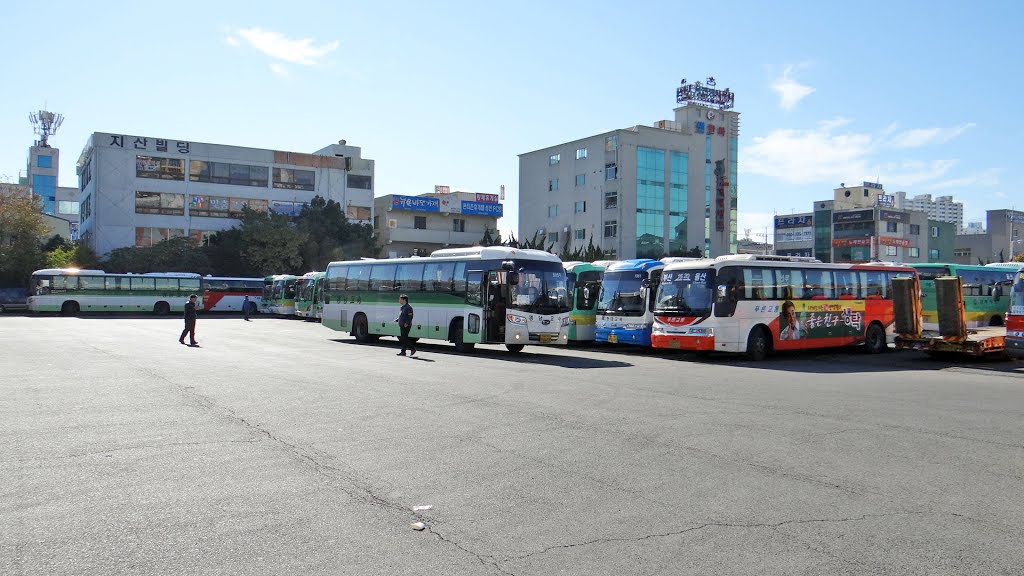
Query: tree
(22, 231)
(173, 255)
(271, 244)
(61, 253)
(330, 236)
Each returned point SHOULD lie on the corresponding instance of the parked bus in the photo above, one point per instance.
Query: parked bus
(467, 296)
(282, 294)
(70, 291)
(584, 281)
(986, 293)
(1015, 318)
(267, 296)
(758, 304)
(1012, 265)
(625, 308)
(308, 295)
(226, 294)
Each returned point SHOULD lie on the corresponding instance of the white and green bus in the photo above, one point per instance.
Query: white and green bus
(70, 291)
(467, 296)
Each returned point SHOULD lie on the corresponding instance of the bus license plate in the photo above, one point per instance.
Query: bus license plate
(546, 338)
(673, 344)
(612, 338)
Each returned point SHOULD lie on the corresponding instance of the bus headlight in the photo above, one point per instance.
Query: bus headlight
(516, 319)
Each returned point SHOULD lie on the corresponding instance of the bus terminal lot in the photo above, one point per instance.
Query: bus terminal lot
(282, 447)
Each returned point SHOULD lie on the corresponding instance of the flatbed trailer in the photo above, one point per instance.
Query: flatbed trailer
(980, 342)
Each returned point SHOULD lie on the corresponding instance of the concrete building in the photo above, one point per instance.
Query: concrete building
(43, 176)
(794, 235)
(139, 190)
(1003, 239)
(644, 191)
(418, 225)
(942, 208)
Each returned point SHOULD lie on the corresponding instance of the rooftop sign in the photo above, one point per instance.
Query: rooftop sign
(705, 93)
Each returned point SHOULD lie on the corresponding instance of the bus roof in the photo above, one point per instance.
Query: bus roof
(212, 277)
(473, 253)
(1012, 265)
(780, 262)
(582, 266)
(635, 264)
(56, 271)
(310, 275)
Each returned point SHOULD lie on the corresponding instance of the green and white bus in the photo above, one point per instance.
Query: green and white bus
(986, 292)
(282, 294)
(585, 287)
(309, 295)
(70, 291)
(467, 296)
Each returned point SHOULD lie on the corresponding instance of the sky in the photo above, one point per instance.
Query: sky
(919, 96)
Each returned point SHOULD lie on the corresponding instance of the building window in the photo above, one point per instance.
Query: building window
(581, 179)
(376, 221)
(611, 171)
(458, 225)
(552, 236)
(147, 237)
(581, 207)
(933, 254)
(890, 227)
(611, 143)
(552, 211)
(294, 179)
(935, 231)
(611, 200)
(914, 252)
(67, 207)
(552, 184)
(360, 182)
(581, 233)
(44, 161)
(611, 228)
(159, 203)
(915, 229)
(581, 153)
(225, 173)
(554, 159)
(159, 168)
(221, 207)
(420, 222)
(890, 250)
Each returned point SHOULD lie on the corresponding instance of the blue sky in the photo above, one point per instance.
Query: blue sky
(921, 96)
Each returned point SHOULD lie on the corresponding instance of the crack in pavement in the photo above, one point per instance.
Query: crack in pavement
(486, 560)
(136, 447)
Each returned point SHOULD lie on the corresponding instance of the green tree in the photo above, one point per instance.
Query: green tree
(271, 243)
(330, 236)
(173, 255)
(224, 253)
(22, 232)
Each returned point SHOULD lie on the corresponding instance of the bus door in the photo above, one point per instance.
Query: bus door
(495, 305)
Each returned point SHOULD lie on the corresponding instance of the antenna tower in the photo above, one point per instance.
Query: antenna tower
(45, 124)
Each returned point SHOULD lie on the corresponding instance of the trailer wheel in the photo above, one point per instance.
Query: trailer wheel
(874, 339)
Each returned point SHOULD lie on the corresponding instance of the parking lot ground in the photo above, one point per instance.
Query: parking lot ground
(281, 447)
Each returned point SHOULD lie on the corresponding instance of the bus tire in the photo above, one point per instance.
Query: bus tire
(759, 344)
(514, 348)
(161, 308)
(457, 333)
(874, 339)
(360, 329)
(996, 320)
(70, 308)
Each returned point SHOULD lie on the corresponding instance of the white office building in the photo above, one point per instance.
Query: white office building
(942, 208)
(418, 225)
(645, 191)
(139, 190)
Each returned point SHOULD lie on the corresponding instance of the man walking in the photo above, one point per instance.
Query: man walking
(245, 308)
(190, 322)
(404, 325)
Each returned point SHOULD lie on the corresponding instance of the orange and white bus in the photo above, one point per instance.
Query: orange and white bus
(759, 304)
(1015, 317)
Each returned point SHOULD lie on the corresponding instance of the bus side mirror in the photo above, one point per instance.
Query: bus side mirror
(512, 278)
(722, 293)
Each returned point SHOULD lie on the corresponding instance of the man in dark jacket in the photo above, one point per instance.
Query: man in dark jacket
(404, 325)
(190, 321)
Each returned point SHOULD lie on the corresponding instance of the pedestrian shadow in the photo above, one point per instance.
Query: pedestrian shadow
(531, 355)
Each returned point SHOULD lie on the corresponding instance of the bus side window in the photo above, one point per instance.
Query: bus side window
(474, 295)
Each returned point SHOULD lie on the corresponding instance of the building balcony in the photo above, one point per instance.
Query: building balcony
(434, 236)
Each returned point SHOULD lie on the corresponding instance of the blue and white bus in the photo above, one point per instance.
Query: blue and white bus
(625, 310)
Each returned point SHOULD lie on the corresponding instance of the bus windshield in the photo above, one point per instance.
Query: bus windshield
(622, 293)
(542, 288)
(687, 292)
(1017, 295)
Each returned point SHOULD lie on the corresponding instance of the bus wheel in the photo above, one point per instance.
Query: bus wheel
(514, 348)
(360, 330)
(457, 335)
(996, 321)
(70, 308)
(874, 339)
(758, 344)
(161, 308)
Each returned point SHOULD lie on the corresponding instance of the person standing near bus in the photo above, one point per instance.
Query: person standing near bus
(190, 322)
(245, 308)
(404, 325)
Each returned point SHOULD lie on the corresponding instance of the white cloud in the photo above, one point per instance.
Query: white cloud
(913, 173)
(232, 41)
(279, 69)
(924, 136)
(790, 91)
(810, 156)
(279, 47)
(984, 179)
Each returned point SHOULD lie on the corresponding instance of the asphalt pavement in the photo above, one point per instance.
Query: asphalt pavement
(281, 447)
